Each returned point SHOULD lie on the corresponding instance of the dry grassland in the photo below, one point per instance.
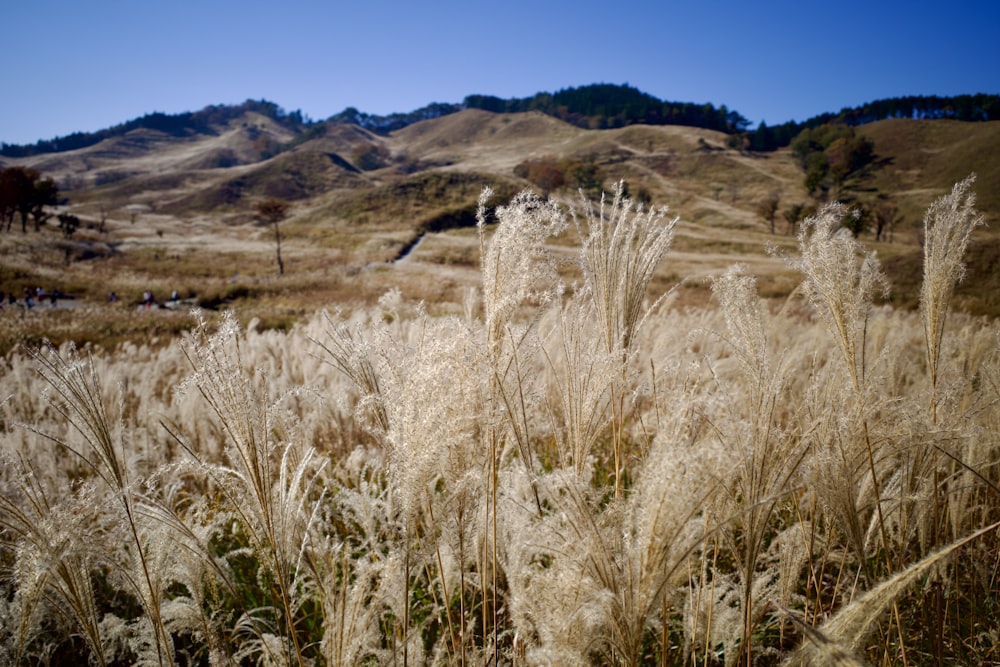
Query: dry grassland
(521, 444)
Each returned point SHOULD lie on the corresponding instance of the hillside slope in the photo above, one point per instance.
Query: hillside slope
(176, 211)
(921, 157)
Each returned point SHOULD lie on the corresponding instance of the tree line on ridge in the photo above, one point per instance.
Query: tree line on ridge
(595, 106)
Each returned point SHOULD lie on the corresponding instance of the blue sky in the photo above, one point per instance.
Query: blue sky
(83, 66)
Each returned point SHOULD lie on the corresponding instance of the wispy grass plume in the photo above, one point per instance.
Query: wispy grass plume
(948, 226)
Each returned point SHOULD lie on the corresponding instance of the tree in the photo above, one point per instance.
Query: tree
(857, 220)
(586, 176)
(272, 211)
(24, 191)
(885, 214)
(795, 214)
(44, 193)
(68, 223)
(763, 139)
(847, 156)
(134, 210)
(816, 168)
(8, 198)
(767, 208)
(830, 154)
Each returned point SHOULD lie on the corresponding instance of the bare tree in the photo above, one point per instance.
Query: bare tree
(794, 214)
(135, 210)
(272, 211)
(767, 208)
(886, 216)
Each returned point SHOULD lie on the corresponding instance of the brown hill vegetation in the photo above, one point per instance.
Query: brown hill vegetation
(918, 156)
(176, 212)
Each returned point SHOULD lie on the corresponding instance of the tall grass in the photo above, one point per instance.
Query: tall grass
(563, 474)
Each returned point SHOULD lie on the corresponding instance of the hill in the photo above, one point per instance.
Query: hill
(204, 122)
(920, 155)
(594, 106)
(173, 210)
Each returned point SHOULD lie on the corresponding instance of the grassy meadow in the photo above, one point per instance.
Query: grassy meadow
(576, 444)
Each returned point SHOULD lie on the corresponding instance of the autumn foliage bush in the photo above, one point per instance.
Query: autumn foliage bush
(549, 173)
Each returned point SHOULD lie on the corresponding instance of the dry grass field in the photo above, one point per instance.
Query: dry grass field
(510, 430)
(167, 213)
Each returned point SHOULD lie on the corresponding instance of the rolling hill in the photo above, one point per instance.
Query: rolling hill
(176, 207)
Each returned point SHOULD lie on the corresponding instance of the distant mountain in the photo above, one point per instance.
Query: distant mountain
(968, 108)
(370, 185)
(395, 121)
(603, 106)
(206, 122)
(595, 106)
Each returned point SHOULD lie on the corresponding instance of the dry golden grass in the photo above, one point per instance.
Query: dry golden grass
(565, 465)
(178, 217)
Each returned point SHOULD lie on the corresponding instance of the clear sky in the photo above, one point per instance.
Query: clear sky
(70, 66)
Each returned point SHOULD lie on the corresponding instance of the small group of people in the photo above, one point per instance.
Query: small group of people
(148, 298)
(31, 298)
